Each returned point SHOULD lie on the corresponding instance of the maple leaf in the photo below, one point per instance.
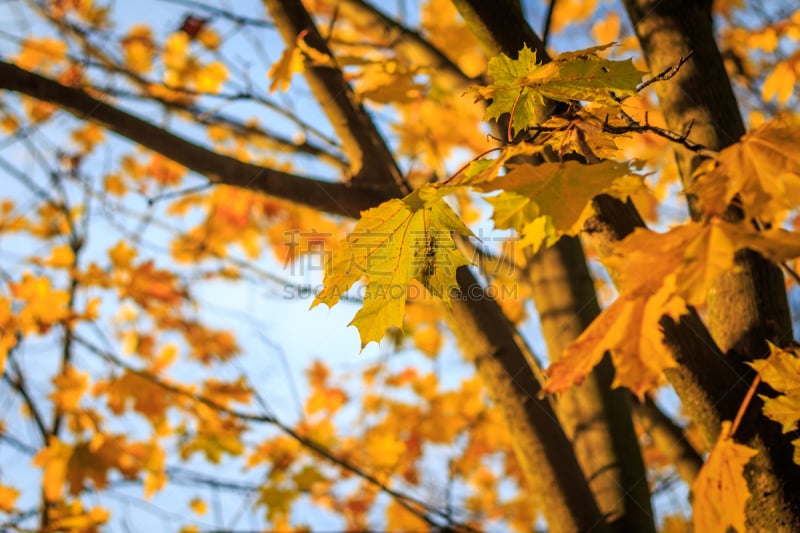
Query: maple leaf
(72, 517)
(690, 258)
(8, 498)
(781, 371)
(521, 86)
(139, 49)
(144, 396)
(720, 490)
(211, 77)
(695, 253)
(281, 72)
(392, 244)
(763, 169)
(43, 305)
(560, 191)
(198, 506)
(69, 388)
(630, 329)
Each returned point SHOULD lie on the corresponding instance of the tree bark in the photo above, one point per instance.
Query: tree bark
(748, 305)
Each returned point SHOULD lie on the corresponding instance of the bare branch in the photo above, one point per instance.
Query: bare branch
(371, 160)
(665, 74)
(223, 13)
(332, 197)
(404, 39)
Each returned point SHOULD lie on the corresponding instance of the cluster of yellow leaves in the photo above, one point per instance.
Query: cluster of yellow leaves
(86, 10)
(139, 49)
(652, 285)
(431, 129)
(185, 70)
(72, 516)
(544, 202)
(447, 31)
(73, 465)
(749, 45)
(41, 54)
(155, 290)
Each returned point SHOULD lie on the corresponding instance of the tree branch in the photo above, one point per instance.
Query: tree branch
(408, 41)
(371, 161)
(331, 197)
(668, 438)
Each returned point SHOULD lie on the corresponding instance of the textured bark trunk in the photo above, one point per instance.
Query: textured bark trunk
(748, 305)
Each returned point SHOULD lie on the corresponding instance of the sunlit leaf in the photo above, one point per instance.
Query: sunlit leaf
(720, 490)
(392, 244)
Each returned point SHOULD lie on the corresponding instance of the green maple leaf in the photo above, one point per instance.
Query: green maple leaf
(522, 86)
(560, 191)
(585, 76)
(508, 88)
(392, 244)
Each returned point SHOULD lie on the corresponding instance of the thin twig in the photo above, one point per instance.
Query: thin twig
(665, 74)
(749, 396)
(229, 15)
(548, 22)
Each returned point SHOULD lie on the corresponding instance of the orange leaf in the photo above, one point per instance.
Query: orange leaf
(720, 490)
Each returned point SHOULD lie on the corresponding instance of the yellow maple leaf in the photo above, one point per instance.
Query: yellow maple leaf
(8, 498)
(384, 448)
(290, 63)
(199, 506)
(41, 53)
(781, 371)
(88, 137)
(61, 256)
(53, 459)
(780, 84)
(720, 490)
(44, 306)
(209, 38)
(763, 169)
(122, 255)
(695, 253)
(211, 77)
(560, 191)
(392, 244)
(398, 518)
(138, 48)
(132, 390)
(176, 51)
(630, 329)
(69, 389)
(73, 517)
